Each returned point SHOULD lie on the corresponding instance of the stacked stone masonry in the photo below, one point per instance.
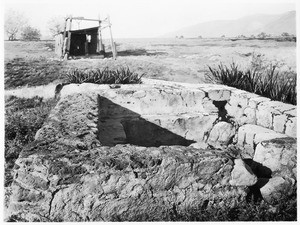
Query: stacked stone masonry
(107, 152)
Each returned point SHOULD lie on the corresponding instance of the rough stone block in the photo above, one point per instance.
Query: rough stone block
(208, 106)
(249, 116)
(279, 155)
(279, 123)
(242, 174)
(219, 95)
(264, 115)
(291, 127)
(275, 189)
(221, 134)
(280, 106)
(255, 101)
(239, 98)
(250, 135)
(123, 181)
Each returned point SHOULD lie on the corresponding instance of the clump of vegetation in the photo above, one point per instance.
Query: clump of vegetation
(31, 34)
(122, 75)
(23, 117)
(260, 78)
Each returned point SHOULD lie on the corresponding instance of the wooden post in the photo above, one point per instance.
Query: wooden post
(113, 49)
(100, 44)
(86, 45)
(69, 35)
(64, 36)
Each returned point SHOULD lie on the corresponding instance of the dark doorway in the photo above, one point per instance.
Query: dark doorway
(77, 46)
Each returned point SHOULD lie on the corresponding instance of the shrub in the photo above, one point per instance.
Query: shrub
(265, 80)
(103, 76)
(23, 117)
(31, 34)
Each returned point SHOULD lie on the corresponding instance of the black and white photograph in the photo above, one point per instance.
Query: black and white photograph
(149, 111)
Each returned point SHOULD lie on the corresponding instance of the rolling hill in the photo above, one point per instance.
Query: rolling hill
(254, 24)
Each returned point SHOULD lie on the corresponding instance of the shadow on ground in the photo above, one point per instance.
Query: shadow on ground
(136, 52)
(119, 125)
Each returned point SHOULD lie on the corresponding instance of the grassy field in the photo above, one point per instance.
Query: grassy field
(182, 60)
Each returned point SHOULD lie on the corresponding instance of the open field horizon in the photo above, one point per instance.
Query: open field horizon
(181, 60)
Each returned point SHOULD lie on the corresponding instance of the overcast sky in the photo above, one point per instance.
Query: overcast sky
(146, 18)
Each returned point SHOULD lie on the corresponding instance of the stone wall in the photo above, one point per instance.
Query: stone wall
(110, 152)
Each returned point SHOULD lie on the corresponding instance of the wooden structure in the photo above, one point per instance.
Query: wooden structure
(83, 42)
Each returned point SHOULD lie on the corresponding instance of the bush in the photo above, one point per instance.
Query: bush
(23, 117)
(31, 34)
(103, 76)
(261, 79)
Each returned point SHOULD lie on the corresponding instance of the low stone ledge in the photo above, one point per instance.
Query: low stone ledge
(96, 185)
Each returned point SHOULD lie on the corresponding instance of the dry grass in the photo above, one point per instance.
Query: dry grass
(23, 117)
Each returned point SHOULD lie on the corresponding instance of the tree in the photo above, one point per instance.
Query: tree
(285, 34)
(262, 35)
(13, 24)
(31, 34)
(56, 25)
(223, 36)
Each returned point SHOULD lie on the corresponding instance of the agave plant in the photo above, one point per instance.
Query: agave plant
(122, 75)
(268, 82)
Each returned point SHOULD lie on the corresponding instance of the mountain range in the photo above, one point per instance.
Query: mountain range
(249, 25)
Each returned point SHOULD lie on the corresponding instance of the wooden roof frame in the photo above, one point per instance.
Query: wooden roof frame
(106, 22)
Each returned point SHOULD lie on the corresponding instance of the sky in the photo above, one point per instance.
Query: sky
(145, 18)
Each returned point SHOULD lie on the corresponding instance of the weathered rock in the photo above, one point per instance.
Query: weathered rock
(73, 120)
(291, 126)
(199, 145)
(250, 135)
(277, 116)
(242, 174)
(279, 155)
(276, 189)
(221, 134)
(54, 182)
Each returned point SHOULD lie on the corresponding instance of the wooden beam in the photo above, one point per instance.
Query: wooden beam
(82, 18)
(69, 35)
(100, 44)
(113, 48)
(64, 36)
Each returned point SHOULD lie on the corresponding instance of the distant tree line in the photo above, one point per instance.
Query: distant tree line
(263, 36)
(16, 26)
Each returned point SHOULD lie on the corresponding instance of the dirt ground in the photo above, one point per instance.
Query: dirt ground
(181, 60)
